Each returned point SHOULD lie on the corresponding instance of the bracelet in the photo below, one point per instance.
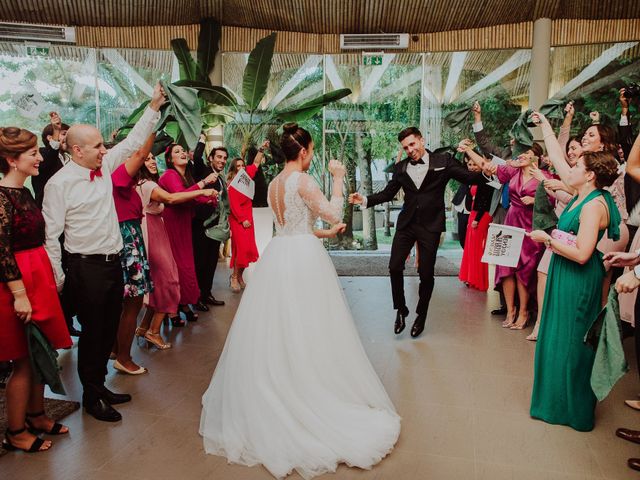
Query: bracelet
(19, 290)
(547, 242)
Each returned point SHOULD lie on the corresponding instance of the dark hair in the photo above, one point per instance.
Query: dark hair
(48, 131)
(604, 165)
(574, 138)
(233, 168)
(409, 131)
(215, 149)
(607, 138)
(14, 142)
(537, 150)
(187, 178)
(293, 140)
(144, 174)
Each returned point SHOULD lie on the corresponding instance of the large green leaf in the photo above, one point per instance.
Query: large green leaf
(312, 107)
(210, 93)
(208, 42)
(214, 115)
(188, 66)
(137, 113)
(257, 71)
(185, 108)
(456, 118)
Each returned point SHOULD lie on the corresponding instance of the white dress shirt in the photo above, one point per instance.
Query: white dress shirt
(84, 209)
(417, 173)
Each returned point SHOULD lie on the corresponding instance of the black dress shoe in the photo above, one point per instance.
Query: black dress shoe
(212, 301)
(101, 410)
(114, 398)
(400, 323)
(201, 306)
(628, 434)
(418, 326)
(499, 311)
(634, 463)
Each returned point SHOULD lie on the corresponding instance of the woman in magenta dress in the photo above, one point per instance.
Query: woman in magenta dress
(473, 271)
(28, 292)
(520, 280)
(243, 238)
(165, 297)
(177, 220)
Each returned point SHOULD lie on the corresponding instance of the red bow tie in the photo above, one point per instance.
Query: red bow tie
(95, 173)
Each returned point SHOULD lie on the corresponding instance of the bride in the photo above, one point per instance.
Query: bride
(293, 388)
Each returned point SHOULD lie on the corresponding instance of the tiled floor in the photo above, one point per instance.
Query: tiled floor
(462, 389)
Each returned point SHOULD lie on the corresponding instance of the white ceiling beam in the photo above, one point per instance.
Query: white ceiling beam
(309, 65)
(374, 77)
(455, 70)
(123, 66)
(331, 72)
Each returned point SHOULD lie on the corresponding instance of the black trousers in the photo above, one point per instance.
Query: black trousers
(205, 256)
(97, 288)
(463, 221)
(403, 241)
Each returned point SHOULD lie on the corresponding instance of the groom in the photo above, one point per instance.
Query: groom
(423, 176)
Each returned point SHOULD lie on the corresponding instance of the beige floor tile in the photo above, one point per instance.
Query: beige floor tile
(502, 393)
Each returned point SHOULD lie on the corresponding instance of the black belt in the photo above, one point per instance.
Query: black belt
(110, 257)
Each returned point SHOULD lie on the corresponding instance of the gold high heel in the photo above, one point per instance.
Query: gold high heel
(157, 341)
(522, 326)
(509, 322)
(234, 284)
(140, 333)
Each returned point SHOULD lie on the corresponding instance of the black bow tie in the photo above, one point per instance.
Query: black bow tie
(416, 162)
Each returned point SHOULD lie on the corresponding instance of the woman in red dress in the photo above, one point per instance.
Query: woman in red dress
(243, 237)
(28, 292)
(473, 271)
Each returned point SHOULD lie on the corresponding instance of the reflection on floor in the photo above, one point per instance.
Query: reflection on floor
(462, 389)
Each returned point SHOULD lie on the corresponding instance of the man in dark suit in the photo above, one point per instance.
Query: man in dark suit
(423, 176)
(53, 154)
(205, 249)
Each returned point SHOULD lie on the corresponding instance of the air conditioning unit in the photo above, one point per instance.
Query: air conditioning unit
(358, 41)
(38, 33)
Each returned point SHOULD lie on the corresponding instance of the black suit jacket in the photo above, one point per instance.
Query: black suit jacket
(50, 164)
(425, 206)
(200, 170)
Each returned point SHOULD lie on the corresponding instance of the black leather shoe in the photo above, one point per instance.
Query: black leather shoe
(201, 306)
(101, 410)
(400, 323)
(499, 311)
(212, 301)
(114, 398)
(418, 326)
(628, 434)
(634, 463)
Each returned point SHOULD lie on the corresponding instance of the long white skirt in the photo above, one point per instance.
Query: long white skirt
(293, 388)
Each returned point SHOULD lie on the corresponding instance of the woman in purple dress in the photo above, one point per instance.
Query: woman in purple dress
(177, 219)
(522, 191)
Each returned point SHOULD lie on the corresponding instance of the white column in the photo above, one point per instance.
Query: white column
(540, 60)
(215, 135)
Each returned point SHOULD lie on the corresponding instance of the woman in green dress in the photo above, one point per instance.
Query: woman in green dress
(562, 391)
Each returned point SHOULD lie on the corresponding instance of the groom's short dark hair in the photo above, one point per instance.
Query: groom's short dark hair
(409, 131)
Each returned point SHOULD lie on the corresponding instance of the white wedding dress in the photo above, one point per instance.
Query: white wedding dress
(293, 388)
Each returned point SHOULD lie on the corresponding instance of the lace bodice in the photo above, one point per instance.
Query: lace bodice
(296, 202)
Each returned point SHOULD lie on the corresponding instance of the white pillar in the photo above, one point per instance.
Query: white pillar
(540, 60)
(215, 135)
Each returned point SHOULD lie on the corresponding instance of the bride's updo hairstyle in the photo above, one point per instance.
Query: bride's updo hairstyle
(603, 165)
(293, 140)
(14, 142)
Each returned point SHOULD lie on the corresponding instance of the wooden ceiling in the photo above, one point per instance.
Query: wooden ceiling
(315, 16)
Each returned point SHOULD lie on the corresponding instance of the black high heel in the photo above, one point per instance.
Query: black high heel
(34, 448)
(55, 430)
(190, 315)
(177, 321)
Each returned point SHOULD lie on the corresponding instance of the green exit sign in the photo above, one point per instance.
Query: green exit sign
(37, 51)
(372, 59)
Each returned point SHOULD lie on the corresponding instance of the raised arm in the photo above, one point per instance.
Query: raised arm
(329, 211)
(554, 150)
(633, 162)
(139, 133)
(565, 128)
(134, 163)
(482, 139)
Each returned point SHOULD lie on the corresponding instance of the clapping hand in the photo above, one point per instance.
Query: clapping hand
(355, 199)
(336, 169)
(621, 259)
(527, 200)
(627, 283)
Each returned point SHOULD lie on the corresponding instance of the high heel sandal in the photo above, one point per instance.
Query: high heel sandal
(242, 284)
(34, 448)
(522, 326)
(56, 429)
(509, 322)
(177, 321)
(140, 332)
(156, 340)
(234, 284)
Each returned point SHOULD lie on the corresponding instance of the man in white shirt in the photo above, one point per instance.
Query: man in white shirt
(423, 176)
(78, 202)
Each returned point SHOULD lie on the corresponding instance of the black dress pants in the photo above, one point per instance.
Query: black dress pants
(403, 241)
(205, 256)
(463, 221)
(97, 287)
